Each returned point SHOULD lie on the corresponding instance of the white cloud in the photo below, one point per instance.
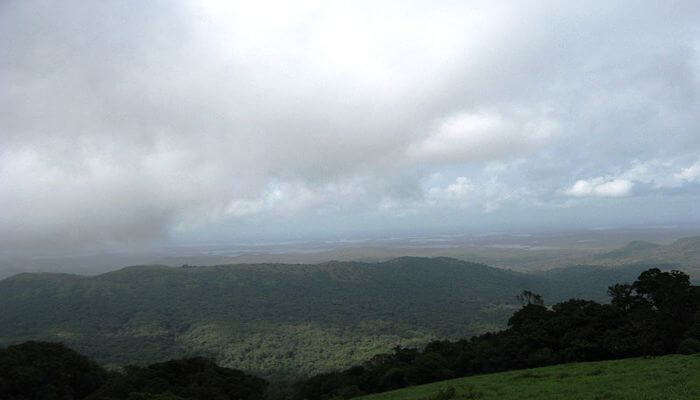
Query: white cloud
(478, 136)
(654, 175)
(601, 187)
(484, 192)
(459, 191)
(460, 188)
(690, 174)
(660, 175)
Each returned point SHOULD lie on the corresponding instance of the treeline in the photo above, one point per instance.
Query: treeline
(348, 310)
(279, 321)
(51, 371)
(658, 314)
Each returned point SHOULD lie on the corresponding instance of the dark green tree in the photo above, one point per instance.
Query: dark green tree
(527, 297)
(47, 371)
(191, 378)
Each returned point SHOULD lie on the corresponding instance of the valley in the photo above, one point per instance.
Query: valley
(279, 320)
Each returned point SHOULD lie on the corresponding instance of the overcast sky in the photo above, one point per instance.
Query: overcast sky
(127, 122)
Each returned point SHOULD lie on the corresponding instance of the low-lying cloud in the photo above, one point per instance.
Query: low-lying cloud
(131, 123)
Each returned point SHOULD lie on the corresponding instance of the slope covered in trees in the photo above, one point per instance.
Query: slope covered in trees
(684, 252)
(35, 370)
(274, 320)
(51, 371)
(277, 320)
(658, 314)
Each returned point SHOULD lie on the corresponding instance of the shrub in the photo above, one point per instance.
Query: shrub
(689, 346)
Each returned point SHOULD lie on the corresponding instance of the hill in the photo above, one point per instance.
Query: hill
(591, 281)
(277, 320)
(662, 378)
(51, 371)
(631, 249)
(273, 319)
(685, 252)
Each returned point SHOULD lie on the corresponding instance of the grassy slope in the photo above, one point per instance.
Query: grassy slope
(668, 377)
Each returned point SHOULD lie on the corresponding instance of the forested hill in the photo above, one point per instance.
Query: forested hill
(684, 252)
(275, 319)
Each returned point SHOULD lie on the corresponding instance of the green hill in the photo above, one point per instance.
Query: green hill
(684, 252)
(277, 320)
(662, 378)
(631, 249)
(271, 319)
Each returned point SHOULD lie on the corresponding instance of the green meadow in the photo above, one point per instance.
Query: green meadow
(668, 377)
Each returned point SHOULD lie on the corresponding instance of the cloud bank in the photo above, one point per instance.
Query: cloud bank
(215, 120)
(601, 187)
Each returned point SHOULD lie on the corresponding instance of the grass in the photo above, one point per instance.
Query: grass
(667, 378)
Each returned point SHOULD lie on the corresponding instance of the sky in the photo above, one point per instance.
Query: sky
(130, 123)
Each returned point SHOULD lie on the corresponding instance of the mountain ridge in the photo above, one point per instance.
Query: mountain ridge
(276, 319)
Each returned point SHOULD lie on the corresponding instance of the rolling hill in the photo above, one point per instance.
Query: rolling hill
(684, 252)
(277, 320)
(672, 377)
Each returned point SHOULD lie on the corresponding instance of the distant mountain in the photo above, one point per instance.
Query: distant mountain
(684, 252)
(631, 248)
(591, 281)
(281, 320)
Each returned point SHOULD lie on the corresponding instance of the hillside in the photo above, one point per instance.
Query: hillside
(663, 378)
(685, 252)
(277, 320)
(592, 281)
(273, 319)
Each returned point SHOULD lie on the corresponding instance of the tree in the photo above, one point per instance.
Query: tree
(640, 321)
(668, 292)
(191, 378)
(624, 297)
(527, 297)
(41, 370)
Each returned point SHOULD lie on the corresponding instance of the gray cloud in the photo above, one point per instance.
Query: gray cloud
(126, 123)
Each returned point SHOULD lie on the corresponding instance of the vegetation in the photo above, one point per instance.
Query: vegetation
(50, 371)
(684, 252)
(658, 314)
(193, 378)
(276, 320)
(673, 377)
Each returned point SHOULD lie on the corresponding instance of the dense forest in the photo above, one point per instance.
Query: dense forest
(279, 321)
(51, 371)
(657, 314)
